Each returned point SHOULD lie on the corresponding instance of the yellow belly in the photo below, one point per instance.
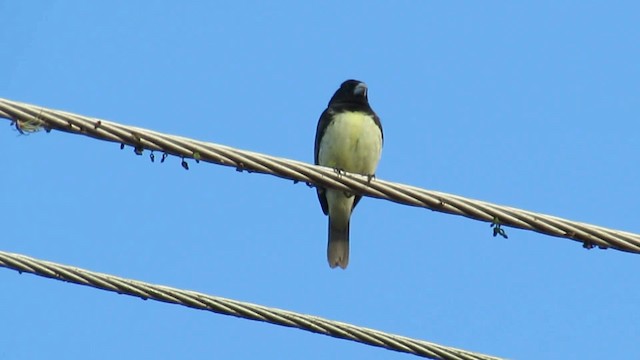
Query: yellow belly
(352, 142)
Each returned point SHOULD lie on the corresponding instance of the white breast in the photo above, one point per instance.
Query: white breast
(352, 142)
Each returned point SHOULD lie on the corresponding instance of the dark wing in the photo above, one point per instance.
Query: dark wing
(376, 119)
(323, 122)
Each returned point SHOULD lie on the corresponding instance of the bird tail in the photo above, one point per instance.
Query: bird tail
(338, 246)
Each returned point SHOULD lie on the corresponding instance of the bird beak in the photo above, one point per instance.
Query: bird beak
(360, 90)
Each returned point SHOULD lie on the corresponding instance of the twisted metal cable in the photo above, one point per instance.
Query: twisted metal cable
(28, 118)
(236, 308)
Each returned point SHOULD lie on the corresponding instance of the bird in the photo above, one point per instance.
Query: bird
(349, 138)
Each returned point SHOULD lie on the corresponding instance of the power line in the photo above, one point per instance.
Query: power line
(236, 308)
(30, 118)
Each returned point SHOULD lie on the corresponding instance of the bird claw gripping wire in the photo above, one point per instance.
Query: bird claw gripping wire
(340, 173)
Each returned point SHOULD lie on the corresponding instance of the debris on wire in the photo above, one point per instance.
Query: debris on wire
(29, 126)
(164, 157)
(497, 228)
(185, 164)
(152, 157)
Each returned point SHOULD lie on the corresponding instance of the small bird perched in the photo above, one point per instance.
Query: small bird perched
(349, 138)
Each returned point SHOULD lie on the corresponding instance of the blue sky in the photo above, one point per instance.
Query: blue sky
(527, 104)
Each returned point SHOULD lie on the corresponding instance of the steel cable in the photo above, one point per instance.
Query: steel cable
(29, 118)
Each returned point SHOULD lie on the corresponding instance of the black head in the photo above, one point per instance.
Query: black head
(352, 92)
